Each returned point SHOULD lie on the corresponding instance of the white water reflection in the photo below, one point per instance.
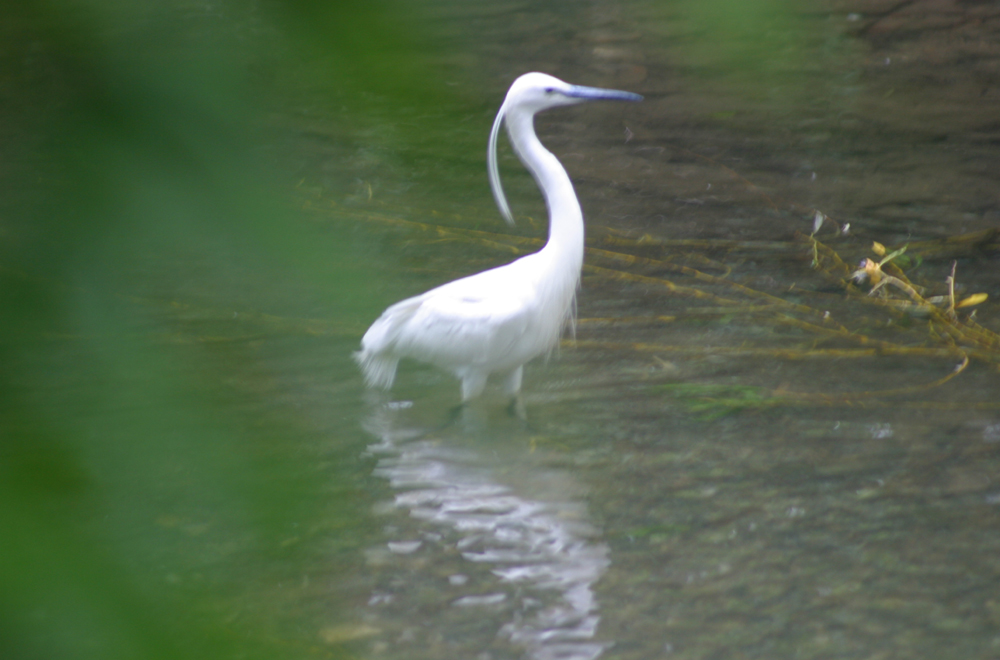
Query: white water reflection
(539, 548)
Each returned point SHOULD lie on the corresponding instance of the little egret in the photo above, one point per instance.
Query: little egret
(495, 321)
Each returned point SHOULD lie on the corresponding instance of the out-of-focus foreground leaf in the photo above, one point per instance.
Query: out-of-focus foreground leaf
(131, 136)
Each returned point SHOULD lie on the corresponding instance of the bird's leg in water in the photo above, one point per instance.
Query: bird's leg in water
(512, 388)
(468, 416)
(517, 407)
(455, 414)
(473, 385)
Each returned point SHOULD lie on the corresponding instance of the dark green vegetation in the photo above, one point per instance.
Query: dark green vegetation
(148, 465)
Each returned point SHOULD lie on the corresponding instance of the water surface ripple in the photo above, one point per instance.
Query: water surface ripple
(542, 550)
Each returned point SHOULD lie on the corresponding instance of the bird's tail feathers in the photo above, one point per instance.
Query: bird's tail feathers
(379, 369)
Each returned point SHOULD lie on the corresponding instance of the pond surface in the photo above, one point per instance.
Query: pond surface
(738, 455)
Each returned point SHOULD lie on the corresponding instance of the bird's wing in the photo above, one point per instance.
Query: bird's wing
(384, 332)
(476, 320)
(458, 325)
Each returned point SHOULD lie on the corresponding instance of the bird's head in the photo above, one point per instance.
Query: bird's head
(534, 92)
(530, 94)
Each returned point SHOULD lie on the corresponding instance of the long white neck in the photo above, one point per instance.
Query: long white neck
(566, 234)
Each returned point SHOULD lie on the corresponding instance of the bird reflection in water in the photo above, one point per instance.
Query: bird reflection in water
(540, 551)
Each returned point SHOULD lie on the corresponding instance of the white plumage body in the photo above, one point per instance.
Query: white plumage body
(495, 321)
(472, 327)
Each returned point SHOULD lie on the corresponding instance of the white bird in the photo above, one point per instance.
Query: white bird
(495, 321)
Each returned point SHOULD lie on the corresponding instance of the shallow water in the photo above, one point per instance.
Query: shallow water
(712, 468)
(718, 520)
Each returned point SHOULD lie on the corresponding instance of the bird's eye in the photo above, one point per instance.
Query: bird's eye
(550, 90)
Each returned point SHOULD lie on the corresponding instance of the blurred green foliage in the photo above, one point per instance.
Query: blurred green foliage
(145, 474)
